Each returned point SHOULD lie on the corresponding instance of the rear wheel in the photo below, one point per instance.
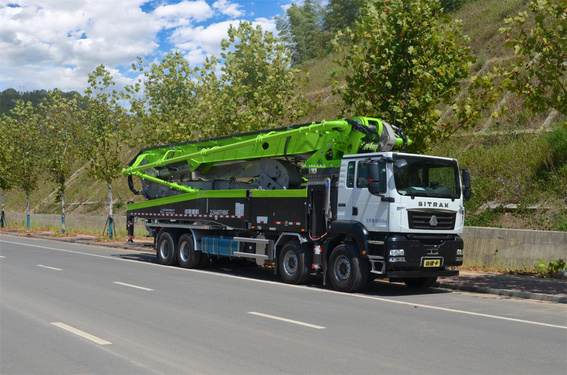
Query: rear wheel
(420, 282)
(166, 245)
(347, 272)
(186, 254)
(294, 263)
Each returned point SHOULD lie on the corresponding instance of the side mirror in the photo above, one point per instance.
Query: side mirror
(466, 184)
(373, 177)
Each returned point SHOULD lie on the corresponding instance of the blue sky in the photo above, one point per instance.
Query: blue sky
(48, 44)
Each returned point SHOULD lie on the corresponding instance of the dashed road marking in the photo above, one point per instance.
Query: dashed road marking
(132, 286)
(286, 320)
(49, 268)
(78, 332)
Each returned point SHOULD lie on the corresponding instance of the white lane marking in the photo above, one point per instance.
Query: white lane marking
(49, 268)
(132, 286)
(299, 286)
(462, 312)
(78, 332)
(286, 320)
(2, 256)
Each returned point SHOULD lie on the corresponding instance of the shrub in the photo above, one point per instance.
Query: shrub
(544, 268)
(557, 141)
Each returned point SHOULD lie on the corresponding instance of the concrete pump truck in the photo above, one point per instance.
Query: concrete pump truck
(327, 198)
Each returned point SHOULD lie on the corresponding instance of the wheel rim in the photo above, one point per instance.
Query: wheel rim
(184, 252)
(164, 249)
(290, 263)
(342, 269)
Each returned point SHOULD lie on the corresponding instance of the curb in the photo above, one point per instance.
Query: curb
(504, 292)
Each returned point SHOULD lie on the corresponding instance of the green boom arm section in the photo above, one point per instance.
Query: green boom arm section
(321, 144)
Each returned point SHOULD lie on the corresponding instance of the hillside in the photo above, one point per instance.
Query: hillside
(517, 162)
(518, 171)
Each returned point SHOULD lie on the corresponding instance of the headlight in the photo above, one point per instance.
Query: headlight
(397, 252)
(459, 252)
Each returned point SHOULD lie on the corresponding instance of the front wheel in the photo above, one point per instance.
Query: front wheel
(420, 282)
(347, 271)
(293, 263)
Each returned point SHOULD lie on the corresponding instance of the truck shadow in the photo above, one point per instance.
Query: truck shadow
(139, 257)
(377, 288)
(380, 288)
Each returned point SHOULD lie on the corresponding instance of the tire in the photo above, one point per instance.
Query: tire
(293, 263)
(420, 282)
(347, 272)
(186, 254)
(166, 248)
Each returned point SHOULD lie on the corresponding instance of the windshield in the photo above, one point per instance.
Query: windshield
(425, 177)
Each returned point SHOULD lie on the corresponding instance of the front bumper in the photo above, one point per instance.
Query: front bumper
(423, 255)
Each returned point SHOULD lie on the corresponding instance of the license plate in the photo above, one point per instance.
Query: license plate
(432, 263)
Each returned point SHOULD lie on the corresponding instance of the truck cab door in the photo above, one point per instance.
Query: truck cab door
(319, 211)
(355, 202)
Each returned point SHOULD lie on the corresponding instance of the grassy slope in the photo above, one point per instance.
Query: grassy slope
(510, 159)
(507, 167)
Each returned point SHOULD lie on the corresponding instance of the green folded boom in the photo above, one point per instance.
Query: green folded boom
(314, 146)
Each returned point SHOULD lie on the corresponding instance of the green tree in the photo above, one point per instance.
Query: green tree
(21, 150)
(35, 96)
(167, 113)
(104, 132)
(452, 5)
(341, 14)
(8, 99)
(5, 186)
(403, 61)
(256, 88)
(301, 28)
(5, 183)
(61, 133)
(539, 39)
(253, 89)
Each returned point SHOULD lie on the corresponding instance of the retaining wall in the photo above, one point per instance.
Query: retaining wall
(490, 247)
(512, 248)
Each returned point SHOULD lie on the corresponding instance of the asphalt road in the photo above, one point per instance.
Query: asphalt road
(69, 309)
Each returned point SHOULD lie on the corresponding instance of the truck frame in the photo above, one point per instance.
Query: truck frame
(327, 198)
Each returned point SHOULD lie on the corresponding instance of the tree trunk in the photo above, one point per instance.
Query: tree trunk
(2, 218)
(27, 211)
(63, 228)
(110, 219)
